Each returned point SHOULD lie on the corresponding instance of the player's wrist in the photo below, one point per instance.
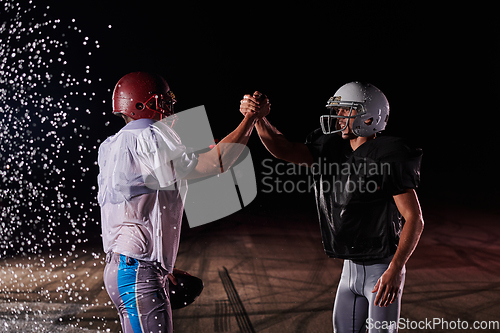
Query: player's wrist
(396, 265)
(251, 118)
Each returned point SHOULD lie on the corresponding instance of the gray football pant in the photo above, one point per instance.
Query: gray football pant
(354, 309)
(139, 290)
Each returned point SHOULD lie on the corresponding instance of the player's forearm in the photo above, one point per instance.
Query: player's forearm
(280, 147)
(270, 136)
(273, 140)
(409, 206)
(226, 152)
(242, 133)
(410, 236)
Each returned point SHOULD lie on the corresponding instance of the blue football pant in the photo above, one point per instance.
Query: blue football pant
(354, 310)
(139, 290)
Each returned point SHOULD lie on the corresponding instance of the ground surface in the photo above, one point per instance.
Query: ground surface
(265, 271)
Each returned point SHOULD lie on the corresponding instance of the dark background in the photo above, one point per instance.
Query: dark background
(437, 66)
(435, 62)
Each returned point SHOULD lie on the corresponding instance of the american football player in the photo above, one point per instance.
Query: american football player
(369, 212)
(141, 222)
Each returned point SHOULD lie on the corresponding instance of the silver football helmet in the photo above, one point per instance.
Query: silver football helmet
(371, 105)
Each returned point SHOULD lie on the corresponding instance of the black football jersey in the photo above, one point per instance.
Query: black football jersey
(354, 193)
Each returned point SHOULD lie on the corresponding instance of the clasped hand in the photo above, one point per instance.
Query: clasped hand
(256, 104)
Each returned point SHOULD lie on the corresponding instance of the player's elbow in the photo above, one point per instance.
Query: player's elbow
(420, 223)
(204, 168)
(210, 168)
(417, 222)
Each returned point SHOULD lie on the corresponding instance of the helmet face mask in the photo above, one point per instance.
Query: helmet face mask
(335, 107)
(370, 104)
(161, 103)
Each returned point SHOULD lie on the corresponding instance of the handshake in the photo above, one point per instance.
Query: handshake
(256, 105)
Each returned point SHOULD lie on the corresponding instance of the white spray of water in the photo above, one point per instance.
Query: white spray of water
(45, 144)
(48, 100)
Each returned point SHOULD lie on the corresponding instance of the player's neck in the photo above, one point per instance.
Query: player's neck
(127, 119)
(359, 140)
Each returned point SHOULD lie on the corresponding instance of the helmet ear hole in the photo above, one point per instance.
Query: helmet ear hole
(139, 106)
(369, 121)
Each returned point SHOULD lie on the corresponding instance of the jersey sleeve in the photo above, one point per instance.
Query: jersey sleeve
(167, 159)
(403, 161)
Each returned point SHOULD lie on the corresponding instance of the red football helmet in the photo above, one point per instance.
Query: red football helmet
(142, 95)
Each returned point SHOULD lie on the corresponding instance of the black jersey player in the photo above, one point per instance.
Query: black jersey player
(368, 209)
